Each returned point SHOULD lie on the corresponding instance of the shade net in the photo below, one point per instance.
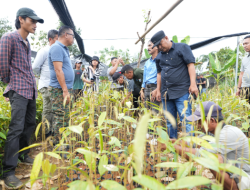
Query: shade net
(64, 15)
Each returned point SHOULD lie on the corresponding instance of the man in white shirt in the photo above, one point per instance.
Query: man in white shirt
(244, 78)
(41, 67)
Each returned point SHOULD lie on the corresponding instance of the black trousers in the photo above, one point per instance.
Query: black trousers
(22, 125)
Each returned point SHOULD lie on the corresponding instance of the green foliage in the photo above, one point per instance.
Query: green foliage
(5, 26)
(186, 40)
(38, 40)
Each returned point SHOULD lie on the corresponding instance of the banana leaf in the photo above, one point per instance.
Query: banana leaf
(186, 40)
(215, 63)
(175, 39)
(147, 54)
(230, 62)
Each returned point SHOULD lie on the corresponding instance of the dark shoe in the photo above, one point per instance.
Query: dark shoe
(48, 135)
(12, 182)
(27, 160)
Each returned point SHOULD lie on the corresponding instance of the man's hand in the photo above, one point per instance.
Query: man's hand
(142, 95)
(153, 95)
(162, 146)
(238, 92)
(90, 82)
(6, 99)
(158, 95)
(121, 61)
(67, 96)
(193, 90)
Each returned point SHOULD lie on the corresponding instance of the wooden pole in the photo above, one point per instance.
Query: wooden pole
(160, 19)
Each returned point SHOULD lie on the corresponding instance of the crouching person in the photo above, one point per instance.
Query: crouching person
(234, 146)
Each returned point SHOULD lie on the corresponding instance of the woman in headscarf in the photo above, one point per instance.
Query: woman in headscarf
(91, 75)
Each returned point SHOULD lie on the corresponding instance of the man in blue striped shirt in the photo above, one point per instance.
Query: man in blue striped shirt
(150, 79)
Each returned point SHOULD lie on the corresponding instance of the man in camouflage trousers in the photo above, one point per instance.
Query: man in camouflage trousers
(61, 80)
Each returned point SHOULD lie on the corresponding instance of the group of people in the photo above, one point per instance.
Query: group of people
(168, 77)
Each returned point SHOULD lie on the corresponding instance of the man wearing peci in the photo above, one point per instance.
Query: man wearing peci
(41, 68)
(176, 79)
(61, 80)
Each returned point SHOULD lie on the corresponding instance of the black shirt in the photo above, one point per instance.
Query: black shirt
(201, 81)
(172, 65)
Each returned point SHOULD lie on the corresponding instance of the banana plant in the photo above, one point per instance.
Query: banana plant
(218, 69)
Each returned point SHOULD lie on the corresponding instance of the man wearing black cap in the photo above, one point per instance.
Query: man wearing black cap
(232, 145)
(176, 78)
(16, 70)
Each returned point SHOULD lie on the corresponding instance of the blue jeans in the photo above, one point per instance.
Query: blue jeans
(174, 106)
(203, 90)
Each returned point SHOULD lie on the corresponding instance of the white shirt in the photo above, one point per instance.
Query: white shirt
(41, 67)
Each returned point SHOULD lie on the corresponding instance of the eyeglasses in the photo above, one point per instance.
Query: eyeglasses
(71, 35)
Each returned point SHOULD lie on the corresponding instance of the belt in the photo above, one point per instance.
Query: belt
(151, 85)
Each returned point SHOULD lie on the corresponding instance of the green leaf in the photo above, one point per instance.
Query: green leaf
(103, 161)
(230, 62)
(52, 154)
(175, 39)
(214, 64)
(76, 185)
(114, 141)
(31, 146)
(201, 142)
(232, 169)
(186, 40)
(140, 142)
(112, 185)
(168, 165)
(101, 118)
(89, 157)
(129, 119)
(217, 187)
(188, 182)
(111, 167)
(36, 167)
(101, 140)
(37, 129)
(149, 182)
(2, 135)
(208, 163)
(184, 169)
(76, 129)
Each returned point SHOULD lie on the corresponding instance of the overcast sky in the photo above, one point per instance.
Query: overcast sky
(114, 19)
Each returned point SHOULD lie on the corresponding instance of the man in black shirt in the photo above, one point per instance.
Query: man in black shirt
(176, 79)
(202, 81)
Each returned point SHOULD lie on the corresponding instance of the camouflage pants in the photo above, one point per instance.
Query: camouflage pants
(47, 106)
(60, 113)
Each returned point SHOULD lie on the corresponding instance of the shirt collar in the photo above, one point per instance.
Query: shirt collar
(20, 37)
(59, 43)
(172, 47)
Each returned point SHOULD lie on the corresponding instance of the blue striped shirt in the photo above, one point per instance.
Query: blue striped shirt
(150, 73)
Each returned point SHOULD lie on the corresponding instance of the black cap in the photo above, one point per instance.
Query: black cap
(95, 58)
(116, 76)
(29, 13)
(156, 39)
(126, 68)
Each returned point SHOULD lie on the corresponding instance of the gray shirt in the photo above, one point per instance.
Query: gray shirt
(245, 67)
(235, 143)
(114, 85)
(41, 67)
(130, 84)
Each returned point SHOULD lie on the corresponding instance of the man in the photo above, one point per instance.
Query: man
(78, 83)
(150, 79)
(201, 81)
(16, 70)
(61, 79)
(114, 68)
(244, 78)
(41, 67)
(176, 78)
(134, 78)
(234, 145)
(118, 79)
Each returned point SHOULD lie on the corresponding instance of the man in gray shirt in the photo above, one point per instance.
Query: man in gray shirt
(114, 68)
(232, 145)
(41, 67)
(244, 78)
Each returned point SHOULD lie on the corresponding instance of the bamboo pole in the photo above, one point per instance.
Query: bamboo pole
(160, 19)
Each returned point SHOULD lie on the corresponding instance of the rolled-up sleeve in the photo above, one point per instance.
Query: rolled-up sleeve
(5, 57)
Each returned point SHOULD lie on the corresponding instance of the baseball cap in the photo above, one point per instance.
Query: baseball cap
(29, 13)
(207, 105)
(156, 39)
(116, 76)
(78, 61)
